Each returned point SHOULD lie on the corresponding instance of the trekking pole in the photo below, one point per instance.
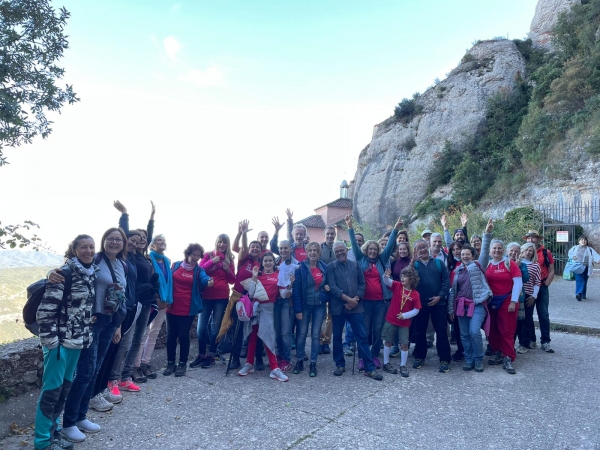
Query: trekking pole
(235, 333)
(353, 356)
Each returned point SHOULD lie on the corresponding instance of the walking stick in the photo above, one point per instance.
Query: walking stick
(353, 356)
(235, 333)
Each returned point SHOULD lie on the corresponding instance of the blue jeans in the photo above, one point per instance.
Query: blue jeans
(526, 327)
(470, 334)
(581, 280)
(349, 338)
(357, 322)
(217, 308)
(541, 305)
(90, 361)
(283, 328)
(374, 316)
(313, 315)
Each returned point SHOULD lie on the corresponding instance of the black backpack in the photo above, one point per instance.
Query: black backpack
(35, 293)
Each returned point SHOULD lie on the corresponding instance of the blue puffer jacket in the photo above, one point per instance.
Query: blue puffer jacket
(200, 282)
(383, 260)
(301, 284)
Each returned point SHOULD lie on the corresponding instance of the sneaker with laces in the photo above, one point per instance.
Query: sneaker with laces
(148, 371)
(522, 350)
(169, 369)
(247, 369)
(418, 363)
(376, 362)
(197, 362)
(374, 374)
(479, 367)
(113, 387)
(508, 367)
(278, 375)
(361, 365)
(468, 366)
(299, 367)
(390, 369)
(285, 365)
(546, 347)
(112, 398)
(181, 369)
(404, 371)
(444, 366)
(138, 376)
(532, 345)
(208, 362)
(60, 443)
(129, 385)
(496, 359)
(88, 426)
(72, 434)
(99, 403)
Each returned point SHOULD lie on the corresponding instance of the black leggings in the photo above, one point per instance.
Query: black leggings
(178, 327)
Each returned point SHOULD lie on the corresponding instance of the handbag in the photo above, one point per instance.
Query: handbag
(575, 266)
(115, 294)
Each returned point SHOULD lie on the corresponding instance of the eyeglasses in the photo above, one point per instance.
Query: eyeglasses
(115, 240)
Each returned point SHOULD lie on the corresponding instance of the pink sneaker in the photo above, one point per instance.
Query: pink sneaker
(113, 387)
(284, 365)
(129, 385)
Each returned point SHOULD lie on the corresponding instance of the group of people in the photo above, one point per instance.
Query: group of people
(102, 311)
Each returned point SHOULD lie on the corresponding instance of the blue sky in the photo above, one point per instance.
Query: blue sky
(224, 110)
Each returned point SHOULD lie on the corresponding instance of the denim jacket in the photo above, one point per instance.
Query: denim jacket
(301, 285)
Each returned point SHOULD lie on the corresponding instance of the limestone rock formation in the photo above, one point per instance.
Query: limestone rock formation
(546, 15)
(392, 173)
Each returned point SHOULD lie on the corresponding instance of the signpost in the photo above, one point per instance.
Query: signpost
(562, 236)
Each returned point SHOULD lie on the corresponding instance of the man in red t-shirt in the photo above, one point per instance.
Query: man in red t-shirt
(546, 262)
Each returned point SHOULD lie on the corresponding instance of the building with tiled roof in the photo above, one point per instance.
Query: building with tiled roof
(332, 213)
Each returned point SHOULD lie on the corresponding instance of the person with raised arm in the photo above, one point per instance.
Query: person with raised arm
(460, 234)
(296, 234)
(146, 233)
(373, 263)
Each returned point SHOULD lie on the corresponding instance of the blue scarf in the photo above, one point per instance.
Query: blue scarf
(165, 290)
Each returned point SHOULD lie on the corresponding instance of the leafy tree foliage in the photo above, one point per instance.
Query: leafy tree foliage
(32, 40)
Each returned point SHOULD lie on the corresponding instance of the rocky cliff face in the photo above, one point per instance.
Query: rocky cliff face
(392, 173)
(546, 15)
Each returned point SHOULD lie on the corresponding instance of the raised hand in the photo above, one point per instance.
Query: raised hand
(153, 208)
(444, 221)
(244, 226)
(464, 219)
(348, 220)
(399, 224)
(490, 226)
(290, 213)
(388, 273)
(120, 207)
(276, 224)
(255, 271)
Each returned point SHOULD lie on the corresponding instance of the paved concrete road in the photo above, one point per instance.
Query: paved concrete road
(551, 403)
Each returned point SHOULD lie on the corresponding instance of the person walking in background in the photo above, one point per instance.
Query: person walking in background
(587, 256)
(219, 265)
(64, 317)
(189, 280)
(546, 262)
(310, 295)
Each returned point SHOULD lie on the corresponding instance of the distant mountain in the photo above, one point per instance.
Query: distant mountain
(28, 258)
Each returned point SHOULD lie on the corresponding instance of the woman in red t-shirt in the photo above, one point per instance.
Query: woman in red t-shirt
(218, 264)
(262, 324)
(504, 278)
(189, 280)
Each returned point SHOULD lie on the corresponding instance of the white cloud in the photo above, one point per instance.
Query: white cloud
(204, 78)
(172, 47)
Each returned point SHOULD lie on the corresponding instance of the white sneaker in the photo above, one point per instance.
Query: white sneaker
(248, 368)
(111, 398)
(88, 426)
(278, 375)
(99, 403)
(522, 350)
(546, 347)
(72, 434)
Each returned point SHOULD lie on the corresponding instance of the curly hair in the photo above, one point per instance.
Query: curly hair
(412, 275)
(191, 248)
